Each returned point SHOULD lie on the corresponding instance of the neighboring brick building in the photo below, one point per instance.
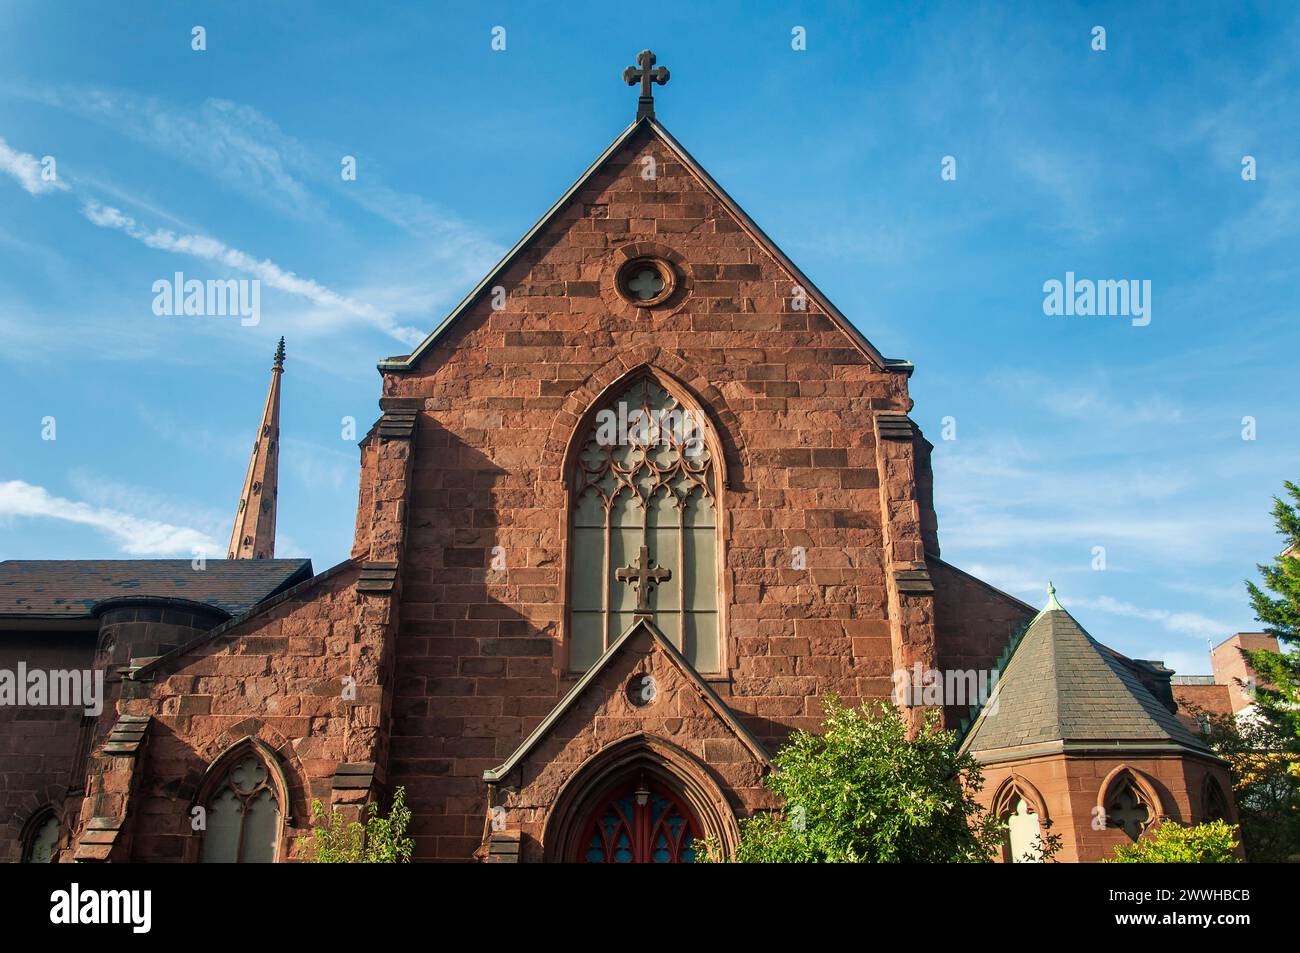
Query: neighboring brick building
(570, 645)
(1228, 690)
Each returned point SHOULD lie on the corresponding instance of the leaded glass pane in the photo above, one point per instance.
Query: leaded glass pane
(670, 624)
(701, 640)
(587, 632)
(41, 846)
(645, 476)
(242, 816)
(1025, 835)
(221, 839)
(588, 566)
(261, 828)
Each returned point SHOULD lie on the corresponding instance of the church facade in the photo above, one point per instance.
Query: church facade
(628, 515)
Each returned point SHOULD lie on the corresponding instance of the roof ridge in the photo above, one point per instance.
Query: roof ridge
(711, 698)
(406, 362)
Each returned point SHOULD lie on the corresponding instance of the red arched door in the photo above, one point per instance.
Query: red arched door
(640, 823)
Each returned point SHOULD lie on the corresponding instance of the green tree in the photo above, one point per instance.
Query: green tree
(862, 791)
(1172, 843)
(381, 840)
(1265, 783)
(1264, 751)
(1278, 673)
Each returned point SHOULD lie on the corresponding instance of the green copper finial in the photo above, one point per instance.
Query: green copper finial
(279, 354)
(1051, 599)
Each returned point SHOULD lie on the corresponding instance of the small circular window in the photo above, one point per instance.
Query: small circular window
(646, 282)
(642, 690)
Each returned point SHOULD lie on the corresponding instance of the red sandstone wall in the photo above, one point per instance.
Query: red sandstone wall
(38, 745)
(478, 649)
(277, 677)
(974, 623)
(678, 715)
(1071, 788)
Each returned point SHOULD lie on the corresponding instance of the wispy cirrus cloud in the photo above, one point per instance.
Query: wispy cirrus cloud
(134, 535)
(210, 249)
(1182, 623)
(233, 143)
(247, 151)
(27, 170)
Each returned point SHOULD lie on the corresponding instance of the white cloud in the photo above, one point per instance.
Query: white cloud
(26, 169)
(135, 536)
(1183, 663)
(210, 249)
(1183, 623)
(401, 292)
(1010, 579)
(233, 143)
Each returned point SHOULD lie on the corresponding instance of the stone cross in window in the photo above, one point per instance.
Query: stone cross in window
(643, 579)
(645, 106)
(645, 284)
(1128, 812)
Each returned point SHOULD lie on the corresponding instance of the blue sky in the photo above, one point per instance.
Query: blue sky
(1072, 432)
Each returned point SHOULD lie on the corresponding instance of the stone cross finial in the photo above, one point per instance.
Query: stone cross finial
(645, 75)
(643, 579)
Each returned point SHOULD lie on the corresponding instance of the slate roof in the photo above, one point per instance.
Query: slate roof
(71, 588)
(1061, 685)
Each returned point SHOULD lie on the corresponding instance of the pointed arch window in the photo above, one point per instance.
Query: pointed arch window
(643, 823)
(1022, 811)
(1128, 807)
(42, 838)
(644, 475)
(1024, 834)
(242, 813)
(1213, 799)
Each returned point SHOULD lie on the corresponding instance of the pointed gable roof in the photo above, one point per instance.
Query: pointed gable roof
(1061, 689)
(653, 127)
(619, 647)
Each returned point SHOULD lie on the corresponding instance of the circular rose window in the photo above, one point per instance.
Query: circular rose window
(646, 282)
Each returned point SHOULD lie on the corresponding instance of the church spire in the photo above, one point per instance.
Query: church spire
(254, 534)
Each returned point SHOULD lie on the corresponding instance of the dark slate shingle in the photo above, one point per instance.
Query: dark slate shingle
(71, 588)
(1062, 685)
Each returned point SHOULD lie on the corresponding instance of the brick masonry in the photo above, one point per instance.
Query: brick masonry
(455, 662)
(1068, 790)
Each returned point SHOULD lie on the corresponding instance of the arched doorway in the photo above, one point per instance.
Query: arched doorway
(640, 822)
(604, 792)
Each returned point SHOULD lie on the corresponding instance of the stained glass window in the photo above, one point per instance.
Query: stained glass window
(242, 816)
(41, 840)
(640, 824)
(645, 476)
